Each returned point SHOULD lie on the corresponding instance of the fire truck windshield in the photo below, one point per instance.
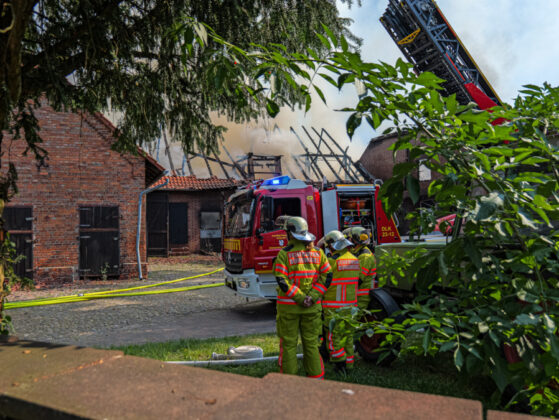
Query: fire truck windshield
(238, 216)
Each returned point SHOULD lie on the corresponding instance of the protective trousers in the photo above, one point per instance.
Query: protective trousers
(308, 324)
(339, 340)
(367, 276)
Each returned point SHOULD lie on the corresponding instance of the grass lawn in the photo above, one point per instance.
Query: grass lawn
(412, 373)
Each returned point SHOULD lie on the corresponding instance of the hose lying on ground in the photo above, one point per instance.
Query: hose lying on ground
(113, 293)
(242, 355)
(227, 362)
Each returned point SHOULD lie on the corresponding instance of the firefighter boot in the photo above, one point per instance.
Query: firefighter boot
(340, 368)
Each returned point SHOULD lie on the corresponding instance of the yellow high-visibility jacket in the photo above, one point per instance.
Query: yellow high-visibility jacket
(367, 274)
(345, 276)
(301, 272)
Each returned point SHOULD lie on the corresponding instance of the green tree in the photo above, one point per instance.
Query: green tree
(153, 61)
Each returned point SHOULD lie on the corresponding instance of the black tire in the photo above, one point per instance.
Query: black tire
(383, 306)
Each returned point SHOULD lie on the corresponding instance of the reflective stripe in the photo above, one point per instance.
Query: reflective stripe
(363, 292)
(282, 269)
(364, 271)
(312, 272)
(292, 291)
(283, 300)
(303, 276)
(325, 267)
(344, 282)
(330, 341)
(319, 287)
(321, 376)
(337, 354)
(334, 304)
(349, 359)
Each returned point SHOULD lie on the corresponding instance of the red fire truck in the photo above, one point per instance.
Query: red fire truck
(251, 240)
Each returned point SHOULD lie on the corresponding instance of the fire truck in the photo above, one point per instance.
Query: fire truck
(251, 239)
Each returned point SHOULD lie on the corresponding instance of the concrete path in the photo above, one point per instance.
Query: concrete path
(252, 318)
(204, 313)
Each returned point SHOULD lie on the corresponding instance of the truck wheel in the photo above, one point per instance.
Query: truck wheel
(385, 305)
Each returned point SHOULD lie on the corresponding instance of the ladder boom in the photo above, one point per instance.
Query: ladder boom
(427, 40)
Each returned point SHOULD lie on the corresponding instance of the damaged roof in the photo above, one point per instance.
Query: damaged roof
(193, 183)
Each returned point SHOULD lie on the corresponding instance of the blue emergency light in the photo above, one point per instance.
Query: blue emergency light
(280, 180)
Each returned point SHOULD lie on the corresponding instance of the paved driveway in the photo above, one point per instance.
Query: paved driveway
(204, 313)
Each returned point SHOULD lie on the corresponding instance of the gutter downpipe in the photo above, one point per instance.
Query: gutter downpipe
(148, 190)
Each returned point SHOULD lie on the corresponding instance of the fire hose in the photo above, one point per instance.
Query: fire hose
(242, 355)
(115, 293)
(227, 361)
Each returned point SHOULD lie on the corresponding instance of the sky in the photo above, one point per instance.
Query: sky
(514, 42)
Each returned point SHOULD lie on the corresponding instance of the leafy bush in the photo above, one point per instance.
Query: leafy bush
(490, 296)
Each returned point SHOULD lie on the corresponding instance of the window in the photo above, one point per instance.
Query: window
(238, 217)
(210, 231)
(210, 224)
(424, 172)
(99, 217)
(272, 208)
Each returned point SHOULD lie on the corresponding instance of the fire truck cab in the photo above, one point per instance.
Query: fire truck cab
(251, 239)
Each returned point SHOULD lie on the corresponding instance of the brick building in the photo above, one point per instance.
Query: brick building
(379, 161)
(76, 214)
(185, 215)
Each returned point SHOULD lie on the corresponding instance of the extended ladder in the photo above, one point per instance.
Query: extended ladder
(427, 40)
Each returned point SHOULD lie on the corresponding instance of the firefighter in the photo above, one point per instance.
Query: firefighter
(361, 238)
(303, 275)
(340, 297)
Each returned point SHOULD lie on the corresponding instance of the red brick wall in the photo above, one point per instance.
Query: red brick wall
(197, 201)
(380, 161)
(82, 170)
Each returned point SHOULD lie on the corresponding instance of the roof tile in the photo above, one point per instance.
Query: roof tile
(193, 183)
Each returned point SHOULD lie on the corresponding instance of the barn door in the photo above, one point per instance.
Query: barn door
(18, 221)
(157, 224)
(99, 242)
(178, 223)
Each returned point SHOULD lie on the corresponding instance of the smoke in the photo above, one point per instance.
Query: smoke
(283, 136)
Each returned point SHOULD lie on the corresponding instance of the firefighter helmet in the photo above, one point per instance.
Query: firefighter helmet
(299, 229)
(359, 235)
(336, 240)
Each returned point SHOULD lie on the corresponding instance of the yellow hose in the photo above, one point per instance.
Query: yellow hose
(113, 293)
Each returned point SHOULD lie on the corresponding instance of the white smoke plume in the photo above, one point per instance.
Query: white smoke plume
(272, 137)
